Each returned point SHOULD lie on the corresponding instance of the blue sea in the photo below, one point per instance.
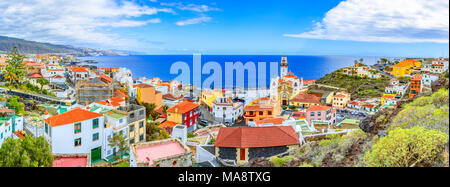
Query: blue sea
(150, 66)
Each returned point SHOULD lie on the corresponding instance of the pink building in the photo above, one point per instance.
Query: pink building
(321, 113)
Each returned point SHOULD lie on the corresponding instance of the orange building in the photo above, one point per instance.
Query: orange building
(147, 94)
(260, 109)
(415, 86)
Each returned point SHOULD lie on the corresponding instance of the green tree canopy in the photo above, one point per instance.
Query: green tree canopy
(28, 152)
(118, 140)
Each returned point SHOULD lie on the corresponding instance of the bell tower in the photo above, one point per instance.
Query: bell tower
(283, 66)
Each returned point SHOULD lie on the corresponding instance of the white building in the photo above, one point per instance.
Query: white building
(395, 87)
(77, 131)
(285, 76)
(428, 79)
(225, 110)
(10, 125)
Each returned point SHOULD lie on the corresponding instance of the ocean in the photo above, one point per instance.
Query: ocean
(150, 66)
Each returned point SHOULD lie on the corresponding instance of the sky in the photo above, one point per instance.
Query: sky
(391, 28)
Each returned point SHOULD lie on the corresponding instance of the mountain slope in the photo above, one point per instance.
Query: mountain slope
(24, 46)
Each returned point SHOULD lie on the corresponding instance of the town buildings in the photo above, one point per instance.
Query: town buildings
(77, 131)
(237, 145)
(262, 108)
(284, 87)
(148, 94)
(303, 100)
(405, 67)
(416, 86)
(361, 71)
(428, 79)
(185, 113)
(321, 114)
(93, 90)
(136, 121)
(225, 110)
(164, 153)
(340, 100)
(11, 125)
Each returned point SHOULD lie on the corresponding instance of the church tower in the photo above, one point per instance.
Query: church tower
(283, 67)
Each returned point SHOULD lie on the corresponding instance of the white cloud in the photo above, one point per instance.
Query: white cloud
(192, 21)
(384, 21)
(77, 22)
(191, 7)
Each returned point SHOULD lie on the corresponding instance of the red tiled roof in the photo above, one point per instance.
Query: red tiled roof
(36, 75)
(167, 124)
(55, 70)
(318, 108)
(171, 97)
(72, 116)
(340, 96)
(118, 93)
(183, 107)
(252, 137)
(78, 69)
(143, 85)
(304, 97)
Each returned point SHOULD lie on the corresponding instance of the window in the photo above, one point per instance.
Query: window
(95, 123)
(312, 114)
(132, 128)
(141, 137)
(141, 112)
(141, 124)
(269, 112)
(319, 113)
(77, 128)
(95, 137)
(77, 142)
(132, 141)
(46, 128)
(260, 113)
(132, 115)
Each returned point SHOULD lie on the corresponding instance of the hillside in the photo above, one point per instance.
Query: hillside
(24, 46)
(358, 87)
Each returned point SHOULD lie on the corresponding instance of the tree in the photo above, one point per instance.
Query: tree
(118, 140)
(42, 82)
(165, 108)
(15, 67)
(13, 103)
(150, 108)
(415, 147)
(27, 152)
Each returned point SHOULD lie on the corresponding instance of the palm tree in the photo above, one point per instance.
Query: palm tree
(10, 74)
(150, 108)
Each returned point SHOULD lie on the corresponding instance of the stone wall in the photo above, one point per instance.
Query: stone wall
(266, 151)
(226, 153)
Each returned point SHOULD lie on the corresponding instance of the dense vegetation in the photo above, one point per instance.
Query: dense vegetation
(27, 152)
(417, 137)
(359, 87)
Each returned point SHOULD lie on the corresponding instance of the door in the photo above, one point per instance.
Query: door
(96, 154)
(242, 154)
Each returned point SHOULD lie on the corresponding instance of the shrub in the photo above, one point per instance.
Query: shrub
(407, 147)
(277, 161)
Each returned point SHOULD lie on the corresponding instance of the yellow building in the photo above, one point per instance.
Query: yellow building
(208, 97)
(405, 67)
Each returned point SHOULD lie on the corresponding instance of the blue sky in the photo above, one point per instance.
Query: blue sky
(293, 27)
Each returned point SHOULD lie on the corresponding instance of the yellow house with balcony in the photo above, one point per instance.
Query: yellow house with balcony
(208, 97)
(405, 67)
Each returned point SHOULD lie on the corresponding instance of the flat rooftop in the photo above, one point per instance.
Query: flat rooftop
(149, 153)
(70, 162)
